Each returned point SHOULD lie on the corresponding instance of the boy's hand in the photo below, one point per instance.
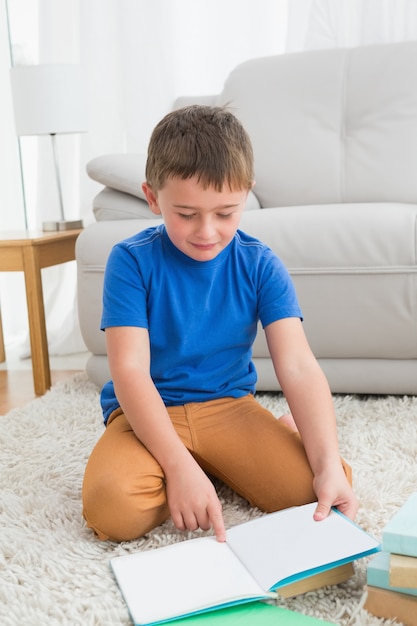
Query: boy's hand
(333, 489)
(193, 501)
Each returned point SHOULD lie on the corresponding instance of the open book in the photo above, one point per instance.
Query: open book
(257, 559)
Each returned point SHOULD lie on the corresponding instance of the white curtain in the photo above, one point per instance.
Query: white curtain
(139, 55)
(319, 24)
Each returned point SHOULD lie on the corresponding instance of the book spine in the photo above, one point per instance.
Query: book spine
(378, 575)
(391, 605)
(403, 571)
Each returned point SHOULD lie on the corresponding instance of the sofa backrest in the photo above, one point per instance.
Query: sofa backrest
(331, 126)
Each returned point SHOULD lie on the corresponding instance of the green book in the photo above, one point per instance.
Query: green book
(254, 614)
(378, 574)
(400, 534)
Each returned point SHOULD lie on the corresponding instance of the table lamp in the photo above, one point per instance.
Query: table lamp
(50, 100)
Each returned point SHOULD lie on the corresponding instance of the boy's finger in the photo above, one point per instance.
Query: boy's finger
(322, 511)
(216, 519)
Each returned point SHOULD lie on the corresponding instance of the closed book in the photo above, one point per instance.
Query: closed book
(391, 605)
(378, 574)
(400, 534)
(403, 571)
(333, 576)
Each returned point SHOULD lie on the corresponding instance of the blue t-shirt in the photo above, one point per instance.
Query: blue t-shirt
(201, 316)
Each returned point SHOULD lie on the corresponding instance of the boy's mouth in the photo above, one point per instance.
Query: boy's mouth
(204, 246)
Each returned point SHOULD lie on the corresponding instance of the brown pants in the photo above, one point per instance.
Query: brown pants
(236, 440)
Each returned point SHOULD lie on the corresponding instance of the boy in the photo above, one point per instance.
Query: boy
(180, 310)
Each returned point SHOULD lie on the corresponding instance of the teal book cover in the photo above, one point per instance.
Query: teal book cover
(400, 534)
(377, 574)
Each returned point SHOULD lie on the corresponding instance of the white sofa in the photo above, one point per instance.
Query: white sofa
(335, 141)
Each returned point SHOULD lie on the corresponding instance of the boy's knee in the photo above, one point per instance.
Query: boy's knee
(118, 512)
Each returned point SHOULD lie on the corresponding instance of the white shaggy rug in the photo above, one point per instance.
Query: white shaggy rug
(53, 572)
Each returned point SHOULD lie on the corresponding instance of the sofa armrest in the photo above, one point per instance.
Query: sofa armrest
(111, 204)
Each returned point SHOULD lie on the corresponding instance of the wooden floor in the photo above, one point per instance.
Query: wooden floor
(16, 387)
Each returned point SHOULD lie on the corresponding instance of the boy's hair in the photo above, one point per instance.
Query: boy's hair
(203, 141)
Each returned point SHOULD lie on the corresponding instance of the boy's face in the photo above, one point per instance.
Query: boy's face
(200, 222)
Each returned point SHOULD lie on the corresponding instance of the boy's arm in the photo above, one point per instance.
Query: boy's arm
(310, 401)
(192, 499)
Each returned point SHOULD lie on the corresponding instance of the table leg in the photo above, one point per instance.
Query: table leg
(37, 326)
(2, 349)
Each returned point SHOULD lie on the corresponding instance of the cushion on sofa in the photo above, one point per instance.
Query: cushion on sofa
(123, 198)
(330, 126)
(123, 172)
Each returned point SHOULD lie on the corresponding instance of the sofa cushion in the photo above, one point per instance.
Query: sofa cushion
(123, 198)
(354, 268)
(123, 172)
(330, 126)
(355, 271)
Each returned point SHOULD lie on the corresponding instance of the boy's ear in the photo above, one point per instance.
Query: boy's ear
(151, 198)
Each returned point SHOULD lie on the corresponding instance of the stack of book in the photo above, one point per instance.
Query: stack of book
(392, 573)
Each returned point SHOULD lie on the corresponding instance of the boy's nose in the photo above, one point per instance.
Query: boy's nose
(206, 229)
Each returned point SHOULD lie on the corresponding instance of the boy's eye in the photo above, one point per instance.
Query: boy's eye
(190, 216)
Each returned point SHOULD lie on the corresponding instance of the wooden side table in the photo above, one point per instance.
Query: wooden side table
(29, 252)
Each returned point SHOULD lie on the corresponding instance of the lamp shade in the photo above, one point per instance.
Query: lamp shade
(48, 99)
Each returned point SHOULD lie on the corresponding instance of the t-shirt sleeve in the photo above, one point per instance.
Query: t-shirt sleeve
(277, 298)
(124, 293)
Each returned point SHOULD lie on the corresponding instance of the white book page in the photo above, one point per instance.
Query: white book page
(182, 578)
(290, 542)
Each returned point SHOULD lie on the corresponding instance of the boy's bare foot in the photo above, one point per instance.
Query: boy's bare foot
(288, 420)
